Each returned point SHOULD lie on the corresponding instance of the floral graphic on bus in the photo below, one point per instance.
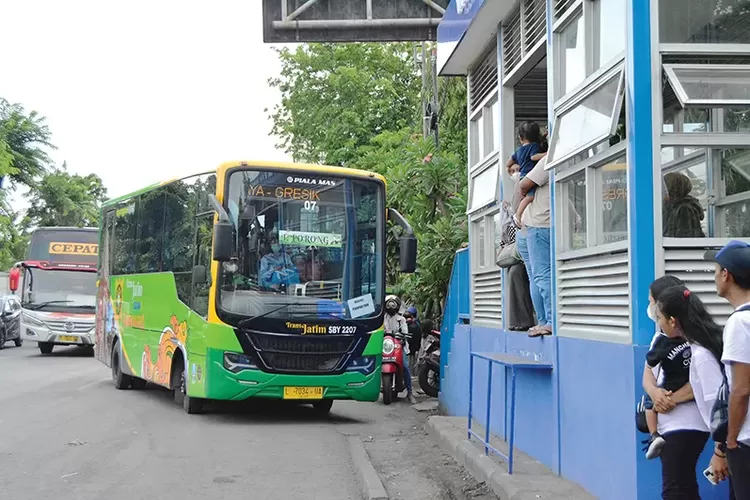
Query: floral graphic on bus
(172, 337)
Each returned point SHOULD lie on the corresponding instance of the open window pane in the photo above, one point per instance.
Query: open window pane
(588, 122)
(484, 188)
(709, 84)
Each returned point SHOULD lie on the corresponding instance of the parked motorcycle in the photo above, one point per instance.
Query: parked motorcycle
(392, 377)
(428, 364)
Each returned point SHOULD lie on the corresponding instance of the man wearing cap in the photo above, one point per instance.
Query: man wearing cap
(732, 277)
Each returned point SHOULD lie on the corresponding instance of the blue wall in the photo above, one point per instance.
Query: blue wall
(597, 385)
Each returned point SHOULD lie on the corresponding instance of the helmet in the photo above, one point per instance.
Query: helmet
(413, 311)
(392, 304)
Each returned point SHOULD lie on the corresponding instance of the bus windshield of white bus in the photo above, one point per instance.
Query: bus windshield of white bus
(55, 289)
(306, 245)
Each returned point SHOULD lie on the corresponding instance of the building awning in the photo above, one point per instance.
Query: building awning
(467, 27)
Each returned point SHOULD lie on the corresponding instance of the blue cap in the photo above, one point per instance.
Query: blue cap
(734, 257)
(412, 311)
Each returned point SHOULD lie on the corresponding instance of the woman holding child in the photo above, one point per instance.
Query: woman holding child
(682, 423)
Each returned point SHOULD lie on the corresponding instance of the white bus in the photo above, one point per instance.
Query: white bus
(58, 287)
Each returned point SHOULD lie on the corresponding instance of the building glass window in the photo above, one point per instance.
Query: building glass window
(704, 21)
(482, 140)
(573, 68)
(481, 243)
(609, 27)
(592, 120)
(484, 188)
(573, 216)
(708, 194)
(612, 183)
(710, 84)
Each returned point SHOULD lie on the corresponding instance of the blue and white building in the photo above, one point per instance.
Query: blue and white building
(631, 91)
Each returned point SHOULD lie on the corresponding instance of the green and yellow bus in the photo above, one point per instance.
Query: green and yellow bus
(253, 280)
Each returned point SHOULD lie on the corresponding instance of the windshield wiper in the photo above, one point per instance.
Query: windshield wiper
(245, 321)
(36, 307)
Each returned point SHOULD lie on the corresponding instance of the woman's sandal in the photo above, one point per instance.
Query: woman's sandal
(540, 331)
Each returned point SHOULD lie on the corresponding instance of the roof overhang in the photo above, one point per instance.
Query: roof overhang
(467, 27)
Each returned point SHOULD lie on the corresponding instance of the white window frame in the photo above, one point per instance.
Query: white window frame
(477, 116)
(711, 71)
(491, 163)
(489, 241)
(616, 72)
(593, 205)
(588, 9)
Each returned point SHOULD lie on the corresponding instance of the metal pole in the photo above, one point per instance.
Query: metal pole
(435, 109)
(425, 124)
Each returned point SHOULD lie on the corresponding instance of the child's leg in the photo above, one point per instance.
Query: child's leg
(521, 207)
(652, 420)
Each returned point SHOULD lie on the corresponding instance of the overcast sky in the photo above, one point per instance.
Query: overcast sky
(141, 91)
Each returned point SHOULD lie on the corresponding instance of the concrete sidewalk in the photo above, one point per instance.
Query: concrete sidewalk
(530, 480)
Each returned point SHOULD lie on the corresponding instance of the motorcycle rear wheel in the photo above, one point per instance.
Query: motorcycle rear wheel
(431, 389)
(387, 387)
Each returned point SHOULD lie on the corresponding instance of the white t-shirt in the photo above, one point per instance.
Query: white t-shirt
(705, 379)
(737, 350)
(684, 416)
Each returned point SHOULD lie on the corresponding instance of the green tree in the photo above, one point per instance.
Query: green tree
(13, 238)
(23, 137)
(63, 199)
(336, 97)
(359, 105)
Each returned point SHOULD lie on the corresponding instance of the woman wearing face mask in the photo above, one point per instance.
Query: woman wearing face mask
(680, 425)
(682, 313)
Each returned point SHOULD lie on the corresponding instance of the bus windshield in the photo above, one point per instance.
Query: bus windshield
(306, 246)
(45, 288)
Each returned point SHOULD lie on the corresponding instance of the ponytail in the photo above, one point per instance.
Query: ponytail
(697, 325)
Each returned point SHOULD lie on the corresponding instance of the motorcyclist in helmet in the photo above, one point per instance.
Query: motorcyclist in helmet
(396, 325)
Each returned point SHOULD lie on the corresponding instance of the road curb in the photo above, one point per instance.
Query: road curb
(530, 480)
(371, 483)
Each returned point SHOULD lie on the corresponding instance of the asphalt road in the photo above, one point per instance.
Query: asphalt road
(66, 433)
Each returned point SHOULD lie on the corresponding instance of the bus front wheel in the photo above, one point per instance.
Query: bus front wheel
(323, 407)
(46, 347)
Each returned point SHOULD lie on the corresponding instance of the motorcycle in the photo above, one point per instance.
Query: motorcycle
(392, 375)
(428, 364)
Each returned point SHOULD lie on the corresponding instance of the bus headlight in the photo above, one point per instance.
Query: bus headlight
(388, 346)
(236, 362)
(31, 320)
(364, 365)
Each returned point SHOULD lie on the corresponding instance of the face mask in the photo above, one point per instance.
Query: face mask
(275, 247)
(650, 312)
(515, 176)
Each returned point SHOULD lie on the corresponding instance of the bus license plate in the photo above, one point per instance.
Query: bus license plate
(67, 338)
(303, 393)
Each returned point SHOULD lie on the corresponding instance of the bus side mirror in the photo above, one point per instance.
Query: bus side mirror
(408, 253)
(222, 241)
(14, 278)
(407, 243)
